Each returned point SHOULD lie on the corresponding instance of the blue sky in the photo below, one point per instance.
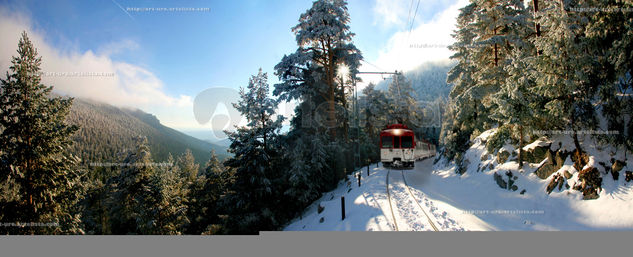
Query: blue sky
(162, 59)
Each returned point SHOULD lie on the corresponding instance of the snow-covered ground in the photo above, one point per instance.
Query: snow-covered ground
(472, 201)
(368, 208)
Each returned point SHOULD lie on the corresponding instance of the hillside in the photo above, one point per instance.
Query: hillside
(428, 80)
(107, 131)
(491, 193)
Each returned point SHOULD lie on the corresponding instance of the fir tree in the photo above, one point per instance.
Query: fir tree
(324, 42)
(205, 195)
(462, 118)
(252, 197)
(615, 30)
(402, 102)
(131, 202)
(187, 167)
(169, 198)
(516, 104)
(565, 70)
(40, 180)
(374, 108)
(308, 174)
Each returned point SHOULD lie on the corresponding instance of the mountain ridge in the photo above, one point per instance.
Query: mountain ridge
(106, 132)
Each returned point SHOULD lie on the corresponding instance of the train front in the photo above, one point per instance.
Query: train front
(397, 146)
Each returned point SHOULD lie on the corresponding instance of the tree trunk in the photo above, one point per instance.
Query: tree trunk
(521, 146)
(331, 101)
(345, 120)
(537, 26)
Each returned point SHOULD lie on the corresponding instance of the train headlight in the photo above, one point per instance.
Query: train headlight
(397, 132)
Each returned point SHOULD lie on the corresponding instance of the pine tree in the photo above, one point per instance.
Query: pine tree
(308, 174)
(403, 107)
(565, 70)
(206, 192)
(462, 115)
(325, 43)
(40, 180)
(169, 198)
(95, 214)
(614, 29)
(488, 32)
(187, 167)
(252, 196)
(516, 104)
(374, 106)
(131, 202)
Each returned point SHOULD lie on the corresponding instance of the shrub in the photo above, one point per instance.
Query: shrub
(498, 139)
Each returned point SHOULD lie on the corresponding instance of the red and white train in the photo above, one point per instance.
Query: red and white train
(400, 147)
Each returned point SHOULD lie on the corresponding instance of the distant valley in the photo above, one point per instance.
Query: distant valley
(107, 132)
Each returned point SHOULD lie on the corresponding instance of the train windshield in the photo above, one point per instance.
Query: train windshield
(387, 142)
(407, 142)
(396, 142)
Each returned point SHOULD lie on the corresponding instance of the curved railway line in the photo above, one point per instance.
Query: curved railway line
(395, 223)
(415, 200)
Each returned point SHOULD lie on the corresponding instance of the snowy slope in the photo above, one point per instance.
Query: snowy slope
(368, 208)
(503, 209)
(472, 201)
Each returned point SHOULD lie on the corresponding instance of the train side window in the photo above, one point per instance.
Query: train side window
(407, 142)
(387, 142)
(396, 142)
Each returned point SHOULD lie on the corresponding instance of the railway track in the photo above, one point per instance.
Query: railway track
(415, 200)
(428, 218)
(395, 223)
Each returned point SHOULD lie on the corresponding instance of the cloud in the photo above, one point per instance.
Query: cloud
(400, 13)
(96, 75)
(391, 12)
(427, 42)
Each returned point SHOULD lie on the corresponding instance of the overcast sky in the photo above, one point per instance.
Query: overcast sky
(159, 60)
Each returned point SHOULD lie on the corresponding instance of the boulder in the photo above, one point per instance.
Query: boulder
(628, 176)
(552, 164)
(557, 181)
(580, 159)
(591, 183)
(502, 156)
(462, 166)
(617, 165)
(590, 194)
(499, 179)
(560, 157)
(536, 154)
(615, 175)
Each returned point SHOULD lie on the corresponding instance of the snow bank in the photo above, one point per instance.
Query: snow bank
(475, 201)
